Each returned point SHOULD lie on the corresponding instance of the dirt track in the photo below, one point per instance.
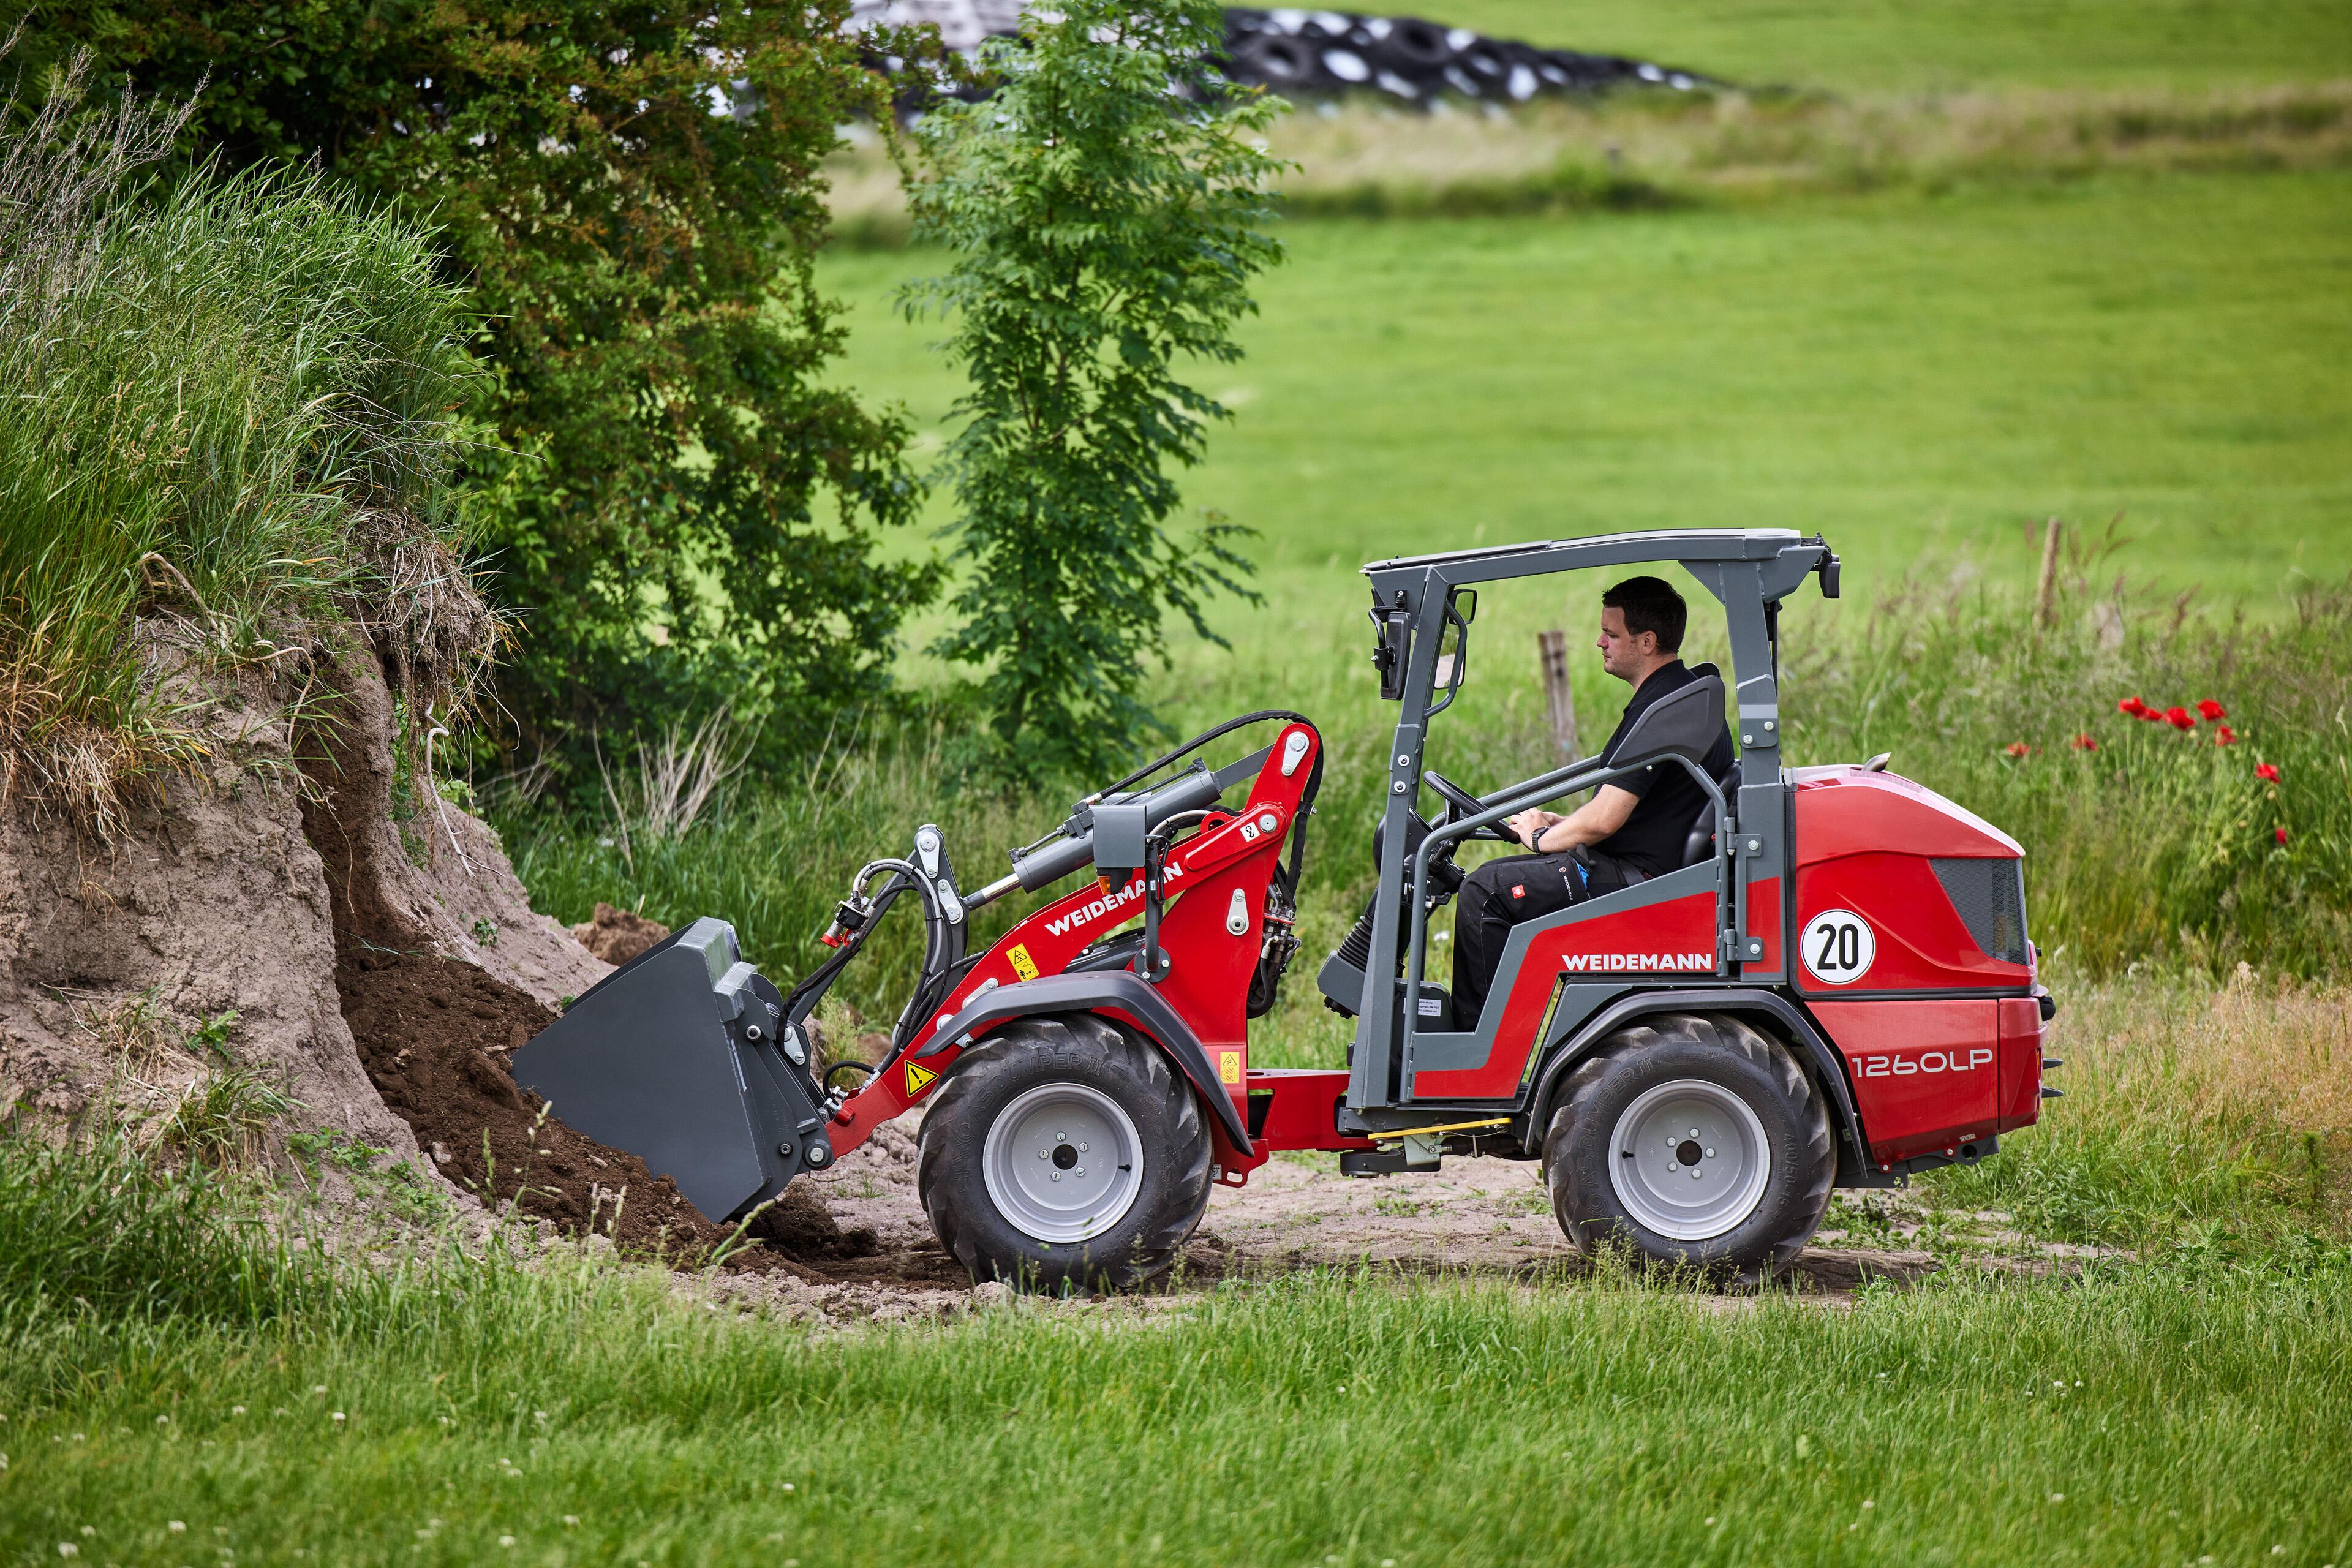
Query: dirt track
(1482, 1219)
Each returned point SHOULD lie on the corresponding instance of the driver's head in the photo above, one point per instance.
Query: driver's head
(1642, 621)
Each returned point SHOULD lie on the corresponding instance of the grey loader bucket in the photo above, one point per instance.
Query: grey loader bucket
(681, 1058)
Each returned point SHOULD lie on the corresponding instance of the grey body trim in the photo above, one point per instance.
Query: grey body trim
(1087, 991)
(1447, 1052)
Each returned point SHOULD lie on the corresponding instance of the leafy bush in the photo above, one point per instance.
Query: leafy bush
(683, 511)
(1106, 225)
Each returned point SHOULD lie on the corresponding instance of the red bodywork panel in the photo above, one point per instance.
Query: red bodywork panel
(1301, 1111)
(1657, 939)
(2023, 1036)
(1937, 1071)
(1926, 1074)
(1863, 843)
(1764, 920)
(1208, 981)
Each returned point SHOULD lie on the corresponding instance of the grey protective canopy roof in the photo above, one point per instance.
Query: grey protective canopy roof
(1535, 558)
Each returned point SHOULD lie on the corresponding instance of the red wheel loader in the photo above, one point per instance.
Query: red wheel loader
(1835, 989)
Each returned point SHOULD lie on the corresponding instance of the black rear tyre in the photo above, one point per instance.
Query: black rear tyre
(1062, 1153)
(1696, 1140)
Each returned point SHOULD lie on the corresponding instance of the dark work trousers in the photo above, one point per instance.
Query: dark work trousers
(1499, 895)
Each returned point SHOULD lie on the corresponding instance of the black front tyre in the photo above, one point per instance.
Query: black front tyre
(1064, 1152)
(1696, 1139)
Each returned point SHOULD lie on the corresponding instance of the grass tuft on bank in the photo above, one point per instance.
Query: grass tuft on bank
(229, 413)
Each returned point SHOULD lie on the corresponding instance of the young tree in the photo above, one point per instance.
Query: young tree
(1109, 221)
(684, 512)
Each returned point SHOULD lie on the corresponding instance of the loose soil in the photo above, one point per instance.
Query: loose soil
(435, 1036)
(1481, 1218)
(616, 936)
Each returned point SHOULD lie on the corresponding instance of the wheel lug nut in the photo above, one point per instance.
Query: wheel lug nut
(1079, 1171)
(1064, 1137)
(1710, 1153)
(1057, 1175)
(1082, 1148)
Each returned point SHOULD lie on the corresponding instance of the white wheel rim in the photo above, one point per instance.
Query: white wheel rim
(1689, 1160)
(1062, 1162)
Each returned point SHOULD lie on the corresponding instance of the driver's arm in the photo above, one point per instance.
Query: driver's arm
(1590, 823)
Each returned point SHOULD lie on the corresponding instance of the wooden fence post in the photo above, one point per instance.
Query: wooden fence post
(1552, 647)
(2045, 599)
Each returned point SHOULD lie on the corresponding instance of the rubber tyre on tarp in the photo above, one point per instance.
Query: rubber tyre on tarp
(1051, 1082)
(1281, 62)
(1705, 1073)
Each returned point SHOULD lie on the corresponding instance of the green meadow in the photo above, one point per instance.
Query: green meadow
(1939, 45)
(1924, 379)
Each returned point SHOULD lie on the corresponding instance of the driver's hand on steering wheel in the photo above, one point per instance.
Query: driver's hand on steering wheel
(1530, 826)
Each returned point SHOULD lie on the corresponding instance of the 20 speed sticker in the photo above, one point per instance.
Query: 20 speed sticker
(1838, 947)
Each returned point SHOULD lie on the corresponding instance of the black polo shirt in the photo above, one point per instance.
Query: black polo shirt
(1652, 837)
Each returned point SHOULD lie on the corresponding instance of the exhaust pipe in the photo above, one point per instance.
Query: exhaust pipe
(682, 1057)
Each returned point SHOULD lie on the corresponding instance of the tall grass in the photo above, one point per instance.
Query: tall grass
(228, 407)
(2218, 1119)
(2158, 845)
(2143, 841)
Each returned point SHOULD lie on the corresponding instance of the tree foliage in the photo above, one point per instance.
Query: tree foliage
(684, 512)
(1109, 221)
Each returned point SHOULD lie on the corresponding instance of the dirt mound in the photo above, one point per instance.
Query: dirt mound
(618, 936)
(436, 1034)
(409, 870)
(194, 947)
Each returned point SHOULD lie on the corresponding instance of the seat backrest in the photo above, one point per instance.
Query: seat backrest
(1699, 847)
(1682, 723)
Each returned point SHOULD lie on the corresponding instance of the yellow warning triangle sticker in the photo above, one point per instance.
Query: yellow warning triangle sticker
(919, 1079)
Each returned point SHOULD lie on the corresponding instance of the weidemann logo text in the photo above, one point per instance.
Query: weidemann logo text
(1087, 914)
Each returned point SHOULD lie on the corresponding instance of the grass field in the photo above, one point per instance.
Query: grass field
(1922, 378)
(2178, 1415)
(1846, 45)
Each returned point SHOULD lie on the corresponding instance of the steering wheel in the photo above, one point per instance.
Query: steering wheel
(1461, 804)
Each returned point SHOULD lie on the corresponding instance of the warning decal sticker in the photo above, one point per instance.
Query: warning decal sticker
(1229, 1067)
(919, 1079)
(1023, 964)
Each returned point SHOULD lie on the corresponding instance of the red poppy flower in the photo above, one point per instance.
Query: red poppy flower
(2134, 708)
(2225, 736)
(2212, 710)
(2279, 834)
(2020, 749)
(2083, 743)
(2177, 717)
(2267, 772)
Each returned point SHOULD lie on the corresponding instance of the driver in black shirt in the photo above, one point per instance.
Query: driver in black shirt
(1632, 829)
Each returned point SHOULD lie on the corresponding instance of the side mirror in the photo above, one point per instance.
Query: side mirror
(1465, 605)
(1829, 571)
(1388, 657)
